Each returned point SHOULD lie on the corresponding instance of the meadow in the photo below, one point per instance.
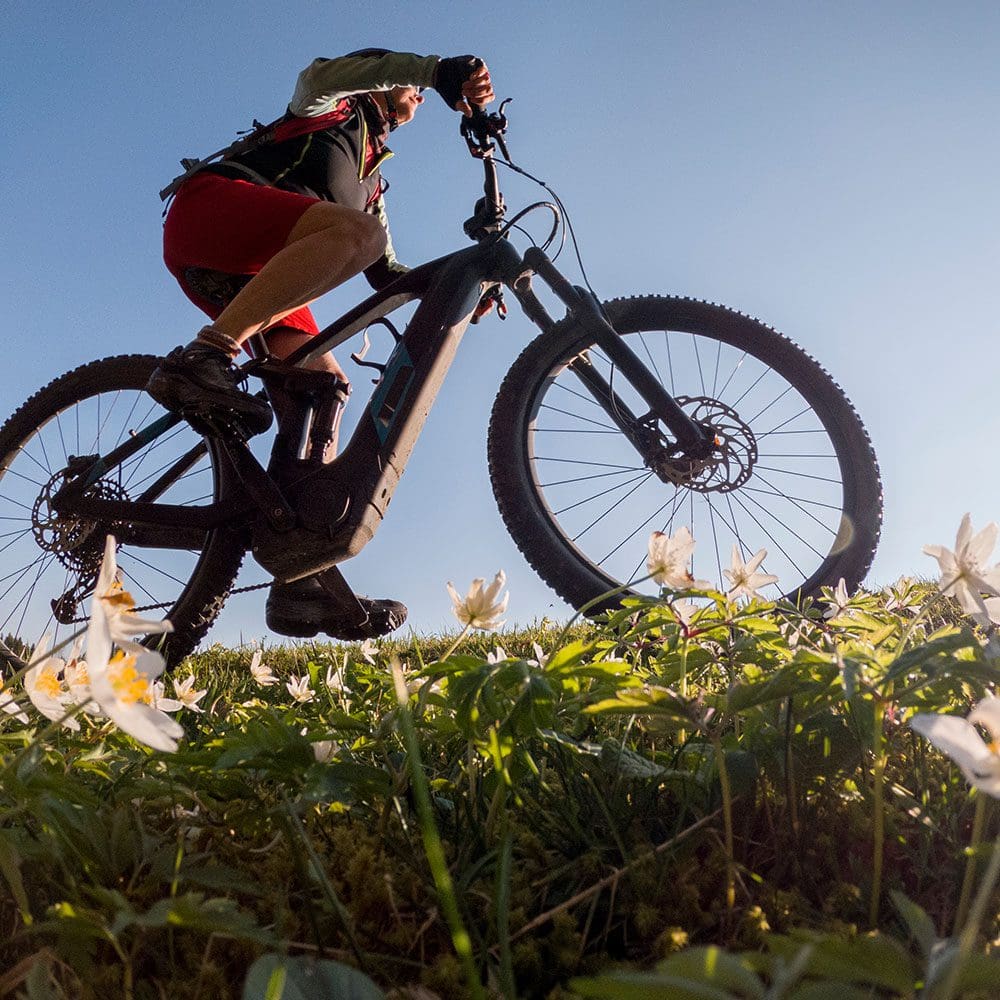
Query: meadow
(703, 795)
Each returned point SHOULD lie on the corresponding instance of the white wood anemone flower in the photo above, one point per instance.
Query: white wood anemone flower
(261, 672)
(114, 608)
(964, 573)
(157, 697)
(77, 679)
(121, 686)
(299, 689)
(46, 688)
(120, 679)
(188, 695)
(839, 601)
(480, 608)
(744, 576)
(10, 705)
(668, 560)
(978, 759)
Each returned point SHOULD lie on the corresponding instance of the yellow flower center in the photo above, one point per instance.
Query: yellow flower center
(47, 682)
(128, 684)
(119, 598)
(79, 673)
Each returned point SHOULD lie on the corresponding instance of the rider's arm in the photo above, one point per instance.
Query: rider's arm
(386, 268)
(326, 81)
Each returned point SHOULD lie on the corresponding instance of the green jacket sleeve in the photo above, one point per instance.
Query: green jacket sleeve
(325, 81)
(386, 268)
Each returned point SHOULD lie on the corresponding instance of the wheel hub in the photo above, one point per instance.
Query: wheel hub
(733, 454)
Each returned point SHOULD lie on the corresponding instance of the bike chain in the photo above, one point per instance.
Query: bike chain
(166, 604)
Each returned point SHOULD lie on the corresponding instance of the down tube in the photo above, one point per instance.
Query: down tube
(358, 482)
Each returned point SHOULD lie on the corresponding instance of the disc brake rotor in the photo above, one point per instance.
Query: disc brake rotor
(733, 456)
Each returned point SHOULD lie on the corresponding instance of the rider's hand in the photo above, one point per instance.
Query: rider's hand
(463, 81)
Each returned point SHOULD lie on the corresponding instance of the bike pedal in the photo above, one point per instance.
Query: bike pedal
(214, 424)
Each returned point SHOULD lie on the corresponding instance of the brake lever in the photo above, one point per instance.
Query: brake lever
(482, 127)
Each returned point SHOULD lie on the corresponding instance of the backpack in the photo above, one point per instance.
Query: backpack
(281, 129)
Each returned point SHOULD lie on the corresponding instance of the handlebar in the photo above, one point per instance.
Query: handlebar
(481, 128)
(483, 133)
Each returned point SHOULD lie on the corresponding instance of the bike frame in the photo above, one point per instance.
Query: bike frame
(324, 514)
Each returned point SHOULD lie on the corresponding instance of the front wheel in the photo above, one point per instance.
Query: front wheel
(792, 470)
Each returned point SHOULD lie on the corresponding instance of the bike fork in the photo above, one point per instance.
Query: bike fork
(691, 437)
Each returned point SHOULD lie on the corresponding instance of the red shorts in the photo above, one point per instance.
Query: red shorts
(231, 226)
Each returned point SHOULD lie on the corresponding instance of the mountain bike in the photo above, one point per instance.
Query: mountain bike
(620, 418)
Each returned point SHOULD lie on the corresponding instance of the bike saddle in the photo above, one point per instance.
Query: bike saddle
(217, 287)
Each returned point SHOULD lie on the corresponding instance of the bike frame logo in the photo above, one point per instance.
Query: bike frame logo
(391, 391)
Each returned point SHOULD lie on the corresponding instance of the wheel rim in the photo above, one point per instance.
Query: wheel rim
(45, 558)
(776, 481)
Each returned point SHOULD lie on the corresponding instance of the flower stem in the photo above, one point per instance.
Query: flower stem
(727, 820)
(433, 848)
(970, 930)
(594, 602)
(971, 863)
(878, 797)
(454, 645)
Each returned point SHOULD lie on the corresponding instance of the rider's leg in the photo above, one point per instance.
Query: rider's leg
(328, 245)
(324, 246)
(281, 342)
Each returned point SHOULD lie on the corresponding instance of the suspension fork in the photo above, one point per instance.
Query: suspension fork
(690, 436)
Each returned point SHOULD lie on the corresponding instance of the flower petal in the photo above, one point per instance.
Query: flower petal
(955, 736)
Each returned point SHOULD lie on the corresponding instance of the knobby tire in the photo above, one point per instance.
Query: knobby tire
(812, 495)
(80, 410)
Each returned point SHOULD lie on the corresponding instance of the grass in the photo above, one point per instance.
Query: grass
(516, 827)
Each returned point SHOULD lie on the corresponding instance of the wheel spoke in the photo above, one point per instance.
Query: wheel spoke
(68, 418)
(792, 455)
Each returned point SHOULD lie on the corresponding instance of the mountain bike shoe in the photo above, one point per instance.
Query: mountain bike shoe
(303, 608)
(199, 380)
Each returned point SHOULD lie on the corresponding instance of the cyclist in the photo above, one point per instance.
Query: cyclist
(255, 237)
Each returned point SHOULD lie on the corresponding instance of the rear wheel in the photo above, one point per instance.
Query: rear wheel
(793, 471)
(48, 563)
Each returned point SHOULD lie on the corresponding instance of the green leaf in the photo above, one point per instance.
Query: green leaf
(646, 986)
(659, 702)
(10, 868)
(920, 925)
(874, 959)
(848, 676)
(791, 679)
(717, 967)
(919, 656)
(829, 991)
(619, 760)
(279, 977)
(345, 781)
(193, 912)
(562, 660)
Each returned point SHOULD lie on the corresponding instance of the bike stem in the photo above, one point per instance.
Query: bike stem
(587, 312)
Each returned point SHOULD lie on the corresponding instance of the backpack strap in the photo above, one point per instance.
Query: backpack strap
(288, 126)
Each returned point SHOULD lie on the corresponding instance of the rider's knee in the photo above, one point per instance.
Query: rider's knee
(370, 239)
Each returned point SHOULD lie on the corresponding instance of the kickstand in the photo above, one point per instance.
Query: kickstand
(333, 582)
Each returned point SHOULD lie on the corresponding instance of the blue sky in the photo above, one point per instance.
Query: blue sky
(830, 168)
